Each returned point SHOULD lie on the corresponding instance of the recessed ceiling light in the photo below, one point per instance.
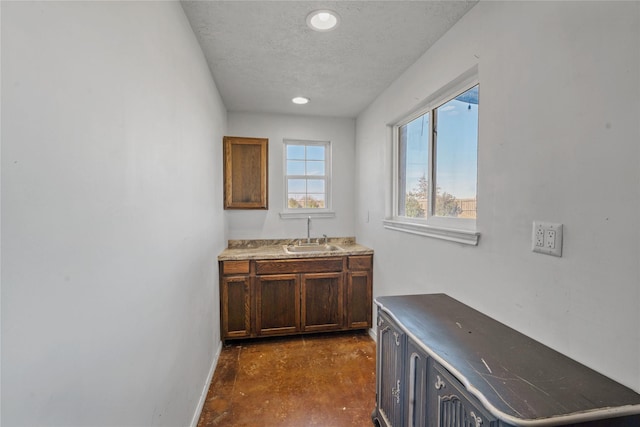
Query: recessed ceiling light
(300, 100)
(323, 20)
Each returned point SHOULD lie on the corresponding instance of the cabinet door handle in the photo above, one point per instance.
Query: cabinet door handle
(395, 392)
(477, 419)
(397, 338)
(440, 384)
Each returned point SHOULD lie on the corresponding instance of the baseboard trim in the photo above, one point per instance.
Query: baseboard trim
(205, 390)
(373, 334)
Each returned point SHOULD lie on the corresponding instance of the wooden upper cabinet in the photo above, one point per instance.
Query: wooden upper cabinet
(245, 173)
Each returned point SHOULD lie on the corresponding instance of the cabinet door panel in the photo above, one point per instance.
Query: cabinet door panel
(390, 363)
(416, 401)
(278, 304)
(359, 299)
(451, 405)
(322, 301)
(235, 305)
(245, 172)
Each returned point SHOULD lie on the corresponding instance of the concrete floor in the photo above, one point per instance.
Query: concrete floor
(311, 380)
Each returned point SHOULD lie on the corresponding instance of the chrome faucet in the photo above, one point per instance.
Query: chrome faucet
(308, 229)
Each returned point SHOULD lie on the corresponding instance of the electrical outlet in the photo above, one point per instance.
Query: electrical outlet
(539, 237)
(547, 238)
(550, 239)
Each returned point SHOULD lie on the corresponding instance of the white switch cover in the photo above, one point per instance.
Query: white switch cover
(547, 238)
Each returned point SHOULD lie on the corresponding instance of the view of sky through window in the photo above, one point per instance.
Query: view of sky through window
(457, 145)
(454, 136)
(306, 180)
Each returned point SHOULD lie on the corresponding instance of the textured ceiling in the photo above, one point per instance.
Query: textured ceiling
(261, 53)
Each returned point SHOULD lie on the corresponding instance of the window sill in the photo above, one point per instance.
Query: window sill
(306, 214)
(466, 237)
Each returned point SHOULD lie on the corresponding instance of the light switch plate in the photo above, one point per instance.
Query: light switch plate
(547, 238)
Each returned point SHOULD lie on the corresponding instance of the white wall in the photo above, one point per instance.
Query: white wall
(267, 224)
(111, 214)
(559, 141)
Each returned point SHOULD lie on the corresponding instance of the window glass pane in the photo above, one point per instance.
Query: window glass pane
(413, 168)
(306, 169)
(297, 186)
(295, 167)
(315, 201)
(295, 152)
(315, 186)
(315, 168)
(315, 152)
(296, 201)
(457, 156)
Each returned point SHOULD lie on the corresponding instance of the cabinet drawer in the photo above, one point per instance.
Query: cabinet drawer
(316, 265)
(360, 262)
(235, 267)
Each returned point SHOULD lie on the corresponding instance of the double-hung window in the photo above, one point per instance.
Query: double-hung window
(435, 166)
(307, 176)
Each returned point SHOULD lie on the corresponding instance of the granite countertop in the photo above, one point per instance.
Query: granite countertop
(273, 249)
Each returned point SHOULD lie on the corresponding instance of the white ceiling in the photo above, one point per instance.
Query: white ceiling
(261, 53)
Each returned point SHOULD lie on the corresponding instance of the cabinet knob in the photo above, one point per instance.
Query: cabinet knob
(477, 419)
(397, 335)
(440, 384)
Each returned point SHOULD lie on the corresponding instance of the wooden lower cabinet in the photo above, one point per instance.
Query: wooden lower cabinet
(358, 297)
(322, 301)
(359, 288)
(294, 296)
(236, 313)
(235, 290)
(277, 304)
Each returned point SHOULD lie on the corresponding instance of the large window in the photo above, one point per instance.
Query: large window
(436, 157)
(307, 175)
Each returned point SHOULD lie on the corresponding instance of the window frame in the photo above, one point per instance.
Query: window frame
(462, 230)
(325, 212)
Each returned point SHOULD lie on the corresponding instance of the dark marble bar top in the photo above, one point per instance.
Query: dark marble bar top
(518, 379)
(273, 249)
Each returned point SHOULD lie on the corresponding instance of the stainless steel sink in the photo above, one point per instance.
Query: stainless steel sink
(302, 249)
